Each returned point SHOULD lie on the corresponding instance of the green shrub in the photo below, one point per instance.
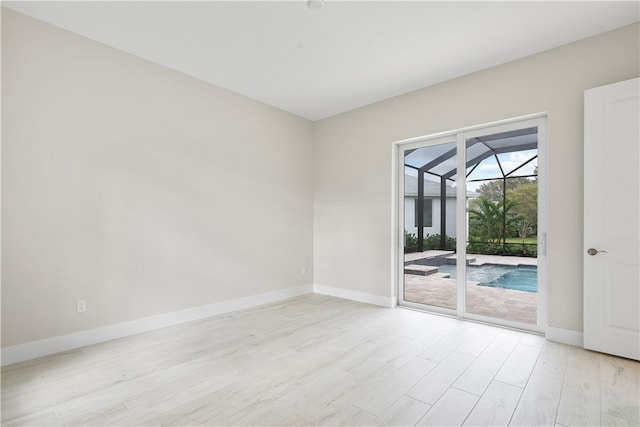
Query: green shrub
(432, 241)
(410, 242)
(475, 246)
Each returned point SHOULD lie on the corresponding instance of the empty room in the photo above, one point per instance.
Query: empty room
(323, 212)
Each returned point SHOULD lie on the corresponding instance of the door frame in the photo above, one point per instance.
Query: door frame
(460, 135)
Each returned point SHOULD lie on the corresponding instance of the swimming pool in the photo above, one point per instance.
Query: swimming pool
(499, 276)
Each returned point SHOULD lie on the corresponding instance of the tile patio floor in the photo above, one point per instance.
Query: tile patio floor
(434, 289)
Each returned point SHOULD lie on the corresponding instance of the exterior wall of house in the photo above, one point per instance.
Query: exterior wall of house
(138, 189)
(352, 215)
(409, 215)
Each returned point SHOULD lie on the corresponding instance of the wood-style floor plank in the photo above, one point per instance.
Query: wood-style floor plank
(405, 412)
(477, 377)
(539, 402)
(620, 384)
(437, 381)
(553, 360)
(319, 360)
(496, 405)
(388, 390)
(450, 410)
(580, 400)
(518, 366)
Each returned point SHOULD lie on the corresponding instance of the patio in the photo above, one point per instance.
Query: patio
(439, 290)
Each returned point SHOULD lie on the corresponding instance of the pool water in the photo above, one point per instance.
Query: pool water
(498, 276)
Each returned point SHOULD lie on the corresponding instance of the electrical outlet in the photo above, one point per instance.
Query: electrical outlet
(81, 305)
(303, 271)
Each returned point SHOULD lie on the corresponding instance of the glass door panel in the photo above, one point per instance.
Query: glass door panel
(430, 225)
(502, 216)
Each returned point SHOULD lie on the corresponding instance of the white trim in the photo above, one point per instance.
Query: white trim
(462, 223)
(367, 298)
(511, 324)
(34, 349)
(543, 224)
(403, 143)
(564, 336)
(397, 208)
(397, 211)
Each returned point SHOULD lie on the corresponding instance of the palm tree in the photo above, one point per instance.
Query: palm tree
(490, 221)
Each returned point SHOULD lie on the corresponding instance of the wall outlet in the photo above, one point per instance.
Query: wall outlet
(81, 305)
(303, 271)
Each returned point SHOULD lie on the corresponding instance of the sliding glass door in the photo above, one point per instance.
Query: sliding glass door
(471, 222)
(430, 220)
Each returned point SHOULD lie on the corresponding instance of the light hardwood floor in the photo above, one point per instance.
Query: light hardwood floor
(318, 360)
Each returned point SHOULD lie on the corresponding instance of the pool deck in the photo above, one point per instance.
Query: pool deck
(439, 290)
(475, 259)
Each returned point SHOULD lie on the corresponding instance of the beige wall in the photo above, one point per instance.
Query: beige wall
(138, 188)
(352, 161)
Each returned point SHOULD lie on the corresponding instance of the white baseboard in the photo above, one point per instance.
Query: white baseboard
(388, 302)
(564, 336)
(34, 349)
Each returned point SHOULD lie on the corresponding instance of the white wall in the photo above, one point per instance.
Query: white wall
(410, 213)
(137, 188)
(352, 161)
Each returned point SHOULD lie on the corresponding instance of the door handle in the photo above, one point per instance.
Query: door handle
(593, 251)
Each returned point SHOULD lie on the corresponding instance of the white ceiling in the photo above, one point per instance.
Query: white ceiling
(320, 63)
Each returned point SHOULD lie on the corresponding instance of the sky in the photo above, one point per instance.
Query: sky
(489, 167)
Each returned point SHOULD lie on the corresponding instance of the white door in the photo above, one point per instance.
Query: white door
(611, 219)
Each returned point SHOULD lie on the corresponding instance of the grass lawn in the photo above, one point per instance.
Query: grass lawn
(531, 240)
